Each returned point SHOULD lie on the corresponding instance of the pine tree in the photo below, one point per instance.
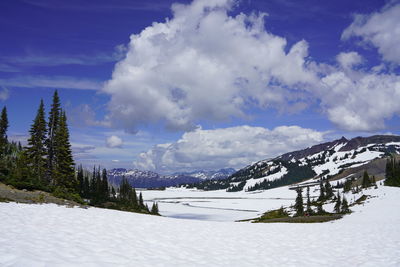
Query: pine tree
(321, 192)
(309, 209)
(299, 203)
(36, 150)
(105, 189)
(154, 209)
(328, 190)
(3, 130)
(141, 203)
(53, 125)
(338, 204)
(64, 168)
(345, 205)
(320, 209)
(80, 181)
(366, 182)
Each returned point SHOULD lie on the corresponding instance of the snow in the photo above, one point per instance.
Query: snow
(360, 159)
(218, 205)
(50, 235)
(272, 177)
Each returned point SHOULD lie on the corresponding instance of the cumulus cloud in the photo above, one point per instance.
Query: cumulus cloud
(226, 147)
(348, 60)
(114, 142)
(381, 29)
(204, 63)
(359, 100)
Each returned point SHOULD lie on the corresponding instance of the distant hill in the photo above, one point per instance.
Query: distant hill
(149, 179)
(332, 160)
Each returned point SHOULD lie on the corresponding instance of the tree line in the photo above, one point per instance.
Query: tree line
(46, 163)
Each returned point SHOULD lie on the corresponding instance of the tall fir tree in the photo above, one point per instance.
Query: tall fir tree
(36, 150)
(54, 121)
(321, 192)
(366, 182)
(3, 130)
(328, 190)
(345, 205)
(298, 206)
(64, 168)
(337, 204)
(309, 209)
(105, 189)
(154, 209)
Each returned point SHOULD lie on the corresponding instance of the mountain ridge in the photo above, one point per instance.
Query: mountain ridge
(321, 161)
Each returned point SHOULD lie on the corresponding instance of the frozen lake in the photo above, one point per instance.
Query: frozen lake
(217, 205)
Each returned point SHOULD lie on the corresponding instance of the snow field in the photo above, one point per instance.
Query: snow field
(50, 235)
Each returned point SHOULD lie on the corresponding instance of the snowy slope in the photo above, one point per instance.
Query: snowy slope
(320, 161)
(50, 235)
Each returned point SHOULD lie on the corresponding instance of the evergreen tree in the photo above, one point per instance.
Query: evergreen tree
(105, 189)
(321, 192)
(366, 182)
(154, 209)
(141, 203)
(320, 209)
(3, 130)
(299, 203)
(309, 209)
(53, 125)
(338, 204)
(345, 205)
(64, 168)
(328, 190)
(36, 150)
(80, 181)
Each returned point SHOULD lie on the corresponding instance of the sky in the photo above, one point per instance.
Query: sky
(173, 86)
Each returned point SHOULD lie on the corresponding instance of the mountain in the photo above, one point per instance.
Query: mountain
(334, 160)
(149, 179)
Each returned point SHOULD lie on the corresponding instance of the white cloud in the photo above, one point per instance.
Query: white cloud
(204, 64)
(114, 142)
(360, 100)
(381, 29)
(4, 94)
(228, 147)
(348, 60)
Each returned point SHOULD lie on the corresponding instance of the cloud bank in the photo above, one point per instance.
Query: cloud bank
(227, 147)
(204, 63)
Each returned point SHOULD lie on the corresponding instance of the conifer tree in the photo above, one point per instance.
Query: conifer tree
(141, 203)
(338, 204)
(320, 209)
(328, 190)
(53, 125)
(105, 189)
(321, 192)
(3, 130)
(366, 182)
(309, 209)
(299, 203)
(154, 209)
(36, 150)
(80, 181)
(345, 205)
(64, 168)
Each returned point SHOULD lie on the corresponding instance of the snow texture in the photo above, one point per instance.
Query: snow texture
(50, 235)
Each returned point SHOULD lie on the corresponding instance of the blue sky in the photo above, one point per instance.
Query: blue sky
(181, 85)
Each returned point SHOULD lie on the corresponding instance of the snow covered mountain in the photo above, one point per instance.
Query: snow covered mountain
(149, 179)
(332, 160)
